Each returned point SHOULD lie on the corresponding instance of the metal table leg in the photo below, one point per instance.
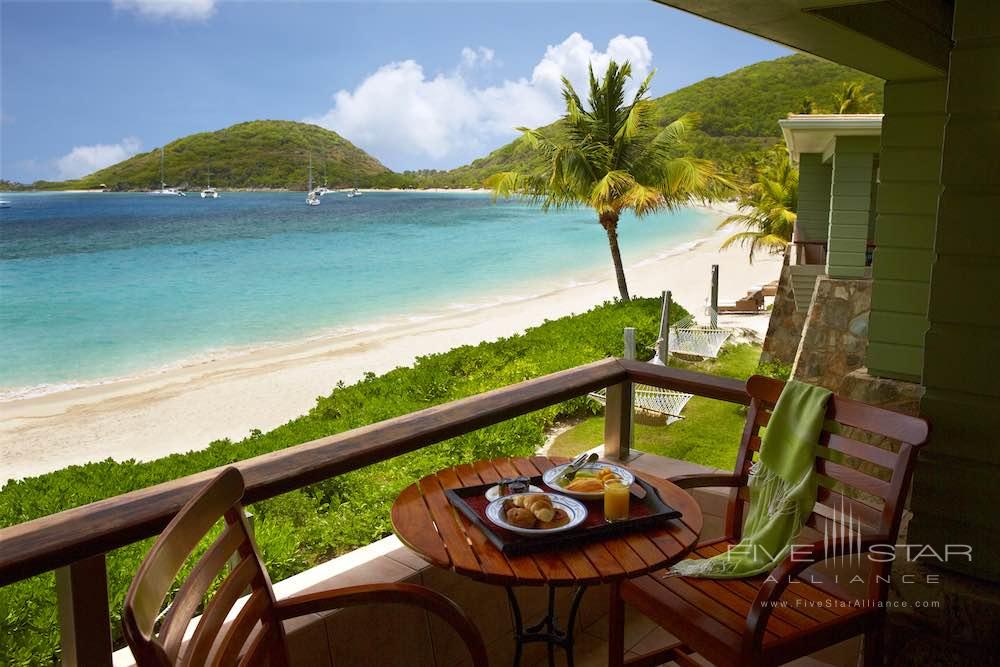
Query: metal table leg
(547, 629)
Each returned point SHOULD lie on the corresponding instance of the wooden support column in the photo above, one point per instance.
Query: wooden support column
(84, 613)
(618, 411)
(714, 297)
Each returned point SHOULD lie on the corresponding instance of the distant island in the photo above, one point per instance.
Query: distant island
(738, 112)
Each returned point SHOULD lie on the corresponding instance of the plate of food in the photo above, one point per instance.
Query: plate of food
(536, 513)
(588, 482)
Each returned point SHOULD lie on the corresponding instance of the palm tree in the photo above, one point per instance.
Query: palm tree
(852, 98)
(767, 208)
(611, 156)
(807, 106)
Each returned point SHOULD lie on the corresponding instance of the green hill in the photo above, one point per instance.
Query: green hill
(257, 154)
(739, 113)
(739, 110)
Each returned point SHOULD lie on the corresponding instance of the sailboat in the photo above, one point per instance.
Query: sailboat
(209, 192)
(312, 199)
(164, 190)
(323, 190)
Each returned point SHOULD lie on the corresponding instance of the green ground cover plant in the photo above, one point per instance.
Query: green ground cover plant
(709, 434)
(305, 527)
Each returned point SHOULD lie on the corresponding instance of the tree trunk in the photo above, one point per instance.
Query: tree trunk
(610, 223)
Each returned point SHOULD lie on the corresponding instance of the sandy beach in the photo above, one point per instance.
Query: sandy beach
(185, 408)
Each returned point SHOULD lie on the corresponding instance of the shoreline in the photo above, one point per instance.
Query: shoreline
(538, 288)
(225, 190)
(186, 407)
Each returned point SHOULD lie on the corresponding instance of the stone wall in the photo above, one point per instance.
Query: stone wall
(895, 395)
(784, 331)
(835, 333)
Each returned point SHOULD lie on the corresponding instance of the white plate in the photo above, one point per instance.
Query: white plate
(573, 508)
(553, 474)
(493, 492)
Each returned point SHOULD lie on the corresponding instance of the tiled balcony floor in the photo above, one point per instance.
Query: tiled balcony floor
(643, 636)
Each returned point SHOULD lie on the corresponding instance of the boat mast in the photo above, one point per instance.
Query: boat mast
(163, 183)
(310, 172)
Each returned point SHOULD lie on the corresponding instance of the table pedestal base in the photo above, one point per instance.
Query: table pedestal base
(546, 630)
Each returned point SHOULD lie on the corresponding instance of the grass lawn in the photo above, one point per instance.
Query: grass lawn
(709, 434)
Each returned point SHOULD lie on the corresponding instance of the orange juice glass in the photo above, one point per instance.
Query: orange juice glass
(616, 499)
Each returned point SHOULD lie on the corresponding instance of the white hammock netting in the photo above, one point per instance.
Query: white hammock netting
(701, 341)
(653, 399)
(685, 337)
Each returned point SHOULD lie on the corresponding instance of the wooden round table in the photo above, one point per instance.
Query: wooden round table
(425, 521)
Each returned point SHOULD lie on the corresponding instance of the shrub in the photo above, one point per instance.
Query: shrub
(304, 527)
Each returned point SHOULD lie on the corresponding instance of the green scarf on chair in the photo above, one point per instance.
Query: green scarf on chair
(782, 489)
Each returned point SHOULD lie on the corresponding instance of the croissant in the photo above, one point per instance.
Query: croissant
(538, 504)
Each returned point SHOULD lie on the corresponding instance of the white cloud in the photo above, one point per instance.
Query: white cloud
(407, 118)
(185, 10)
(481, 56)
(83, 160)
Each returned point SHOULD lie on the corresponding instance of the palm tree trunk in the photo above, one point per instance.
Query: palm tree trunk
(610, 223)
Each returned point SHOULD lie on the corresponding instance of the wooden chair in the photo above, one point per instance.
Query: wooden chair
(256, 635)
(742, 621)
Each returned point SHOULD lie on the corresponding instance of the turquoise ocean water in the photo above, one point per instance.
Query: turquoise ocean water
(97, 286)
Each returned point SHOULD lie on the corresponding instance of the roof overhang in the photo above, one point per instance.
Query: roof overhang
(817, 133)
(895, 40)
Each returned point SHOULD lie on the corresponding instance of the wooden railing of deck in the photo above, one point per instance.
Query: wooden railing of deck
(74, 542)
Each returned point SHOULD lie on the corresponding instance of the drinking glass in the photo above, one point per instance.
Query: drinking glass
(616, 499)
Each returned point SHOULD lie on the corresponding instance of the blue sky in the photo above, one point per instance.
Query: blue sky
(418, 84)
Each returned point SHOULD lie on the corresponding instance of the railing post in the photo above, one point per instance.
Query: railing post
(618, 411)
(663, 342)
(84, 613)
(714, 309)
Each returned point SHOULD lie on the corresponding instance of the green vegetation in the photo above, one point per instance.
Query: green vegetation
(852, 98)
(739, 115)
(767, 207)
(612, 157)
(710, 432)
(258, 154)
(301, 528)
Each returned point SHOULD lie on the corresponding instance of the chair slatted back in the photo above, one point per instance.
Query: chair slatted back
(860, 484)
(253, 635)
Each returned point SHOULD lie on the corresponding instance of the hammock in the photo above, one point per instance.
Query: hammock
(654, 400)
(661, 402)
(700, 341)
(686, 337)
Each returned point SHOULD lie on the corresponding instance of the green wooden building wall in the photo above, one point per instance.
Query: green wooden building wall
(956, 480)
(912, 133)
(814, 197)
(850, 205)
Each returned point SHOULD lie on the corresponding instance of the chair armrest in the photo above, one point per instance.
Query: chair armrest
(794, 564)
(409, 594)
(702, 480)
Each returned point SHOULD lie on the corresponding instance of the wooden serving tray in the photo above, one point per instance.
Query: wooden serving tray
(645, 512)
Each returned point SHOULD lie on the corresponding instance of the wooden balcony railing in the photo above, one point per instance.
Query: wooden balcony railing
(74, 542)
